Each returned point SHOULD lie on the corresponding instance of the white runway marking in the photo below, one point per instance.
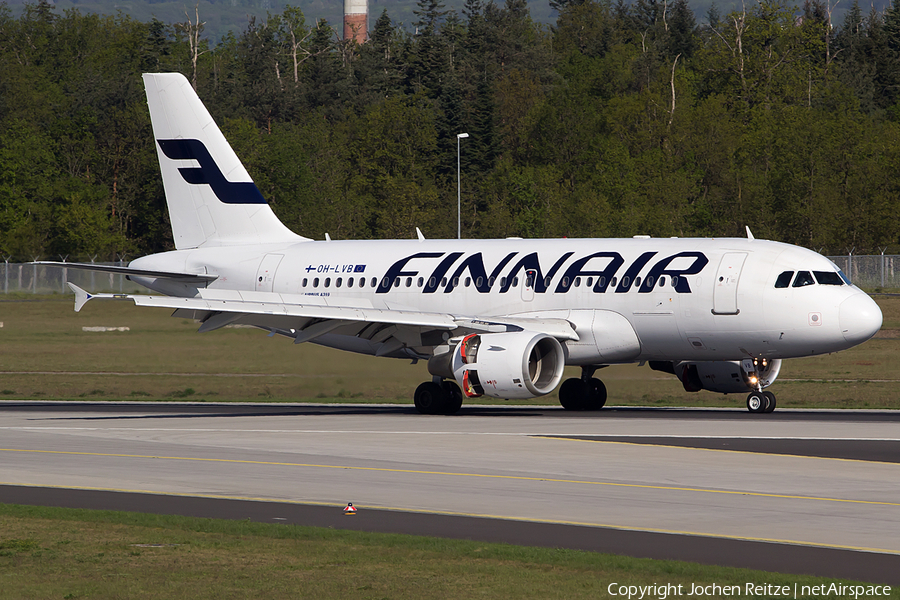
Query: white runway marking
(557, 434)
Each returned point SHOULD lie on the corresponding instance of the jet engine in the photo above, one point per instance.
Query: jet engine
(521, 364)
(725, 377)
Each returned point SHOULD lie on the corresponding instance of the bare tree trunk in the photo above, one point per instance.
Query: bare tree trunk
(672, 81)
(192, 30)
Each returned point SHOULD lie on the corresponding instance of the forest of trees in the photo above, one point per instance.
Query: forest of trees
(619, 119)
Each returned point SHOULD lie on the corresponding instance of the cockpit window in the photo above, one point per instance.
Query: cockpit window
(803, 278)
(784, 279)
(828, 278)
(844, 277)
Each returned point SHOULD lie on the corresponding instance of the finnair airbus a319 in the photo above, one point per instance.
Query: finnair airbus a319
(500, 318)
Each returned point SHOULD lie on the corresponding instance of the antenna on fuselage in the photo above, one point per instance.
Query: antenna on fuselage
(749, 234)
(419, 235)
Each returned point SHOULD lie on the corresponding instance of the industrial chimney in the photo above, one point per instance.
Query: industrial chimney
(356, 20)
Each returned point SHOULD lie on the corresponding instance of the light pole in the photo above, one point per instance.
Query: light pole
(459, 136)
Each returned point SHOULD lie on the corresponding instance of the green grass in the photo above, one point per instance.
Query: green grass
(67, 553)
(44, 354)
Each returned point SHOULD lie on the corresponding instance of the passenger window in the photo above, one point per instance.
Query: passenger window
(662, 281)
(828, 278)
(349, 282)
(468, 281)
(338, 282)
(316, 282)
(443, 282)
(577, 281)
(503, 282)
(327, 281)
(803, 278)
(784, 279)
(408, 281)
(420, 281)
(305, 281)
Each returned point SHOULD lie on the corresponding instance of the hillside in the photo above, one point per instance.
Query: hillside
(233, 15)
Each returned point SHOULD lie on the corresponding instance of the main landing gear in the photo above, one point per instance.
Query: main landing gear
(584, 393)
(438, 397)
(761, 402)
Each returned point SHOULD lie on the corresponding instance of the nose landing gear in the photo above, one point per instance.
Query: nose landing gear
(761, 402)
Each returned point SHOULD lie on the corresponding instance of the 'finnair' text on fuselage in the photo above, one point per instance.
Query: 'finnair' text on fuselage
(417, 265)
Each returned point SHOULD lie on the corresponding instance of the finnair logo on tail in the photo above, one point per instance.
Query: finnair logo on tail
(208, 172)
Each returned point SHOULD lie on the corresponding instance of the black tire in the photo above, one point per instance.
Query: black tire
(757, 402)
(454, 397)
(430, 398)
(573, 394)
(597, 395)
(770, 401)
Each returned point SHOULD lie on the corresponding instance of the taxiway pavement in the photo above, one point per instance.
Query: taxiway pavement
(793, 483)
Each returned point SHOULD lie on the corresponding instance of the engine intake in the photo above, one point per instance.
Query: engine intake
(521, 364)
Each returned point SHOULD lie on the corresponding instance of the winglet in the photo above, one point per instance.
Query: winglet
(749, 235)
(81, 296)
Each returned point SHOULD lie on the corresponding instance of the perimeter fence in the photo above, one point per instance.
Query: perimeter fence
(29, 278)
(866, 271)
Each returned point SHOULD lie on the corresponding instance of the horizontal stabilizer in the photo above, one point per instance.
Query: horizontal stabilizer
(200, 278)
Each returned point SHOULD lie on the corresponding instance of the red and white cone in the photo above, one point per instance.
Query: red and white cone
(349, 509)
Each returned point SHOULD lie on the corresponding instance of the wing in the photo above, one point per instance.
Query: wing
(368, 329)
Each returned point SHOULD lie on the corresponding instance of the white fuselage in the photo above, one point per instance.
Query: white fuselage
(686, 299)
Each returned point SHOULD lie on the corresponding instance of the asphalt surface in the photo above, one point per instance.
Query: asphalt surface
(825, 562)
(864, 450)
(811, 492)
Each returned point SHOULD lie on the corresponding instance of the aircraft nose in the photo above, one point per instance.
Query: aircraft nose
(859, 318)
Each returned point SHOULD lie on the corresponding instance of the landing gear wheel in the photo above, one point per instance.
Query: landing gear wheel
(756, 402)
(596, 396)
(770, 401)
(454, 397)
(430, 398)
(573, 394)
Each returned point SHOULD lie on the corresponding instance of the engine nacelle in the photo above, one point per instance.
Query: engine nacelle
(725, 377)
(521, 364)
